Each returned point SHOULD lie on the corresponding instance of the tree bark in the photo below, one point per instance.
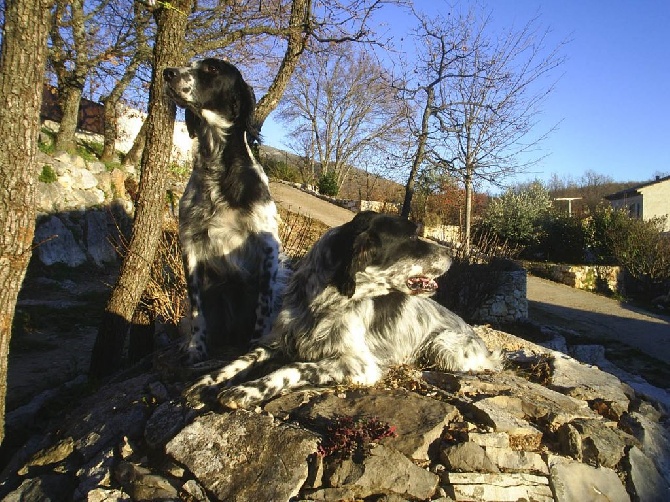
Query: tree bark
(301, 11)
(134, 155)
(71, 81)
(111, 120)
(24, 51)
(468, 211)
(117, 320)
(420, 153)
(70, 98)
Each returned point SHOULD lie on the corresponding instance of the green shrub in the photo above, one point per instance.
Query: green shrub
(516, 217)
(328, 184)
(563, 239)
(281, 170)
(639, 246)
(48, 175)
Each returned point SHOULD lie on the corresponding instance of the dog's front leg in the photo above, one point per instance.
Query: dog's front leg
(196, 347)
(207, 387)
(334, 370)
(265, 307)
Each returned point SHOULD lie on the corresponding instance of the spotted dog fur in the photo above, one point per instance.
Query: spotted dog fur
(228, 223)
(357, 304)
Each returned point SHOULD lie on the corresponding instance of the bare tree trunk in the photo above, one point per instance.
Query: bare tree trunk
(111, 102)
(70, 98)
(71, 80)
(134, 155)
(468, 211)
(111, 119)
(147, 228)
(301, 11)
(23, 58)
(419, 155)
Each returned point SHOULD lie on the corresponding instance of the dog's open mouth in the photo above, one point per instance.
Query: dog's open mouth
(421, 284)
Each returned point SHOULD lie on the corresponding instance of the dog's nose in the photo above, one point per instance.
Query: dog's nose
(169, 74)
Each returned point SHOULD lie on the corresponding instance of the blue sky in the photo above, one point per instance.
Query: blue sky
(613, 100)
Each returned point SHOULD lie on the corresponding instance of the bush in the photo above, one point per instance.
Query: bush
(328, 184)
(48, 175)
(347, 436)
(563, 239)
(516, 216)
(281, 170)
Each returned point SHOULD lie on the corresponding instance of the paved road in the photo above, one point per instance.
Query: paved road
(599, 317)
(550, 303)
(301, 202)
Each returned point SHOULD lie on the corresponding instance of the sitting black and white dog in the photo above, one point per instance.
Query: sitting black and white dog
(228, 223)
(356, 305)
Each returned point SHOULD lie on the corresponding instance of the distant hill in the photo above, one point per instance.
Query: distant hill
(359, 184)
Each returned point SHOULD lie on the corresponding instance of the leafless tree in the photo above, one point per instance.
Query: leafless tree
(483, 110)
(140, 54)
(80, 41)
(440, 44)
(491, 111)
(343, 112)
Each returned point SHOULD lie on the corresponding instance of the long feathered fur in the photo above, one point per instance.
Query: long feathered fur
(228, 222)
(357, 304)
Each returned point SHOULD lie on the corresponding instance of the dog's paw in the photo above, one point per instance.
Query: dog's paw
(201, 394)
(239, 397)
(190, 355)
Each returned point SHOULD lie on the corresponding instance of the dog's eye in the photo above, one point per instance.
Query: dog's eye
(413, 237)
(210, 68)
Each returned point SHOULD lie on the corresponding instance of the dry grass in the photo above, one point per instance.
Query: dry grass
(165, 295)
(298, 233)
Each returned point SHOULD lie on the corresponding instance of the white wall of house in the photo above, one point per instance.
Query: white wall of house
(647, 201)
(657, 201)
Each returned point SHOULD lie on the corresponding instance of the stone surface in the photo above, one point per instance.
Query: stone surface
(648, 485)
(517, 460)
(384, 471)
(418, 420)
(100, 234)
(577, 482)
(56, 244)
(499, 487)
(587, 383)
(136, 440)
(596, 444)
(218, 451)
(467, 457)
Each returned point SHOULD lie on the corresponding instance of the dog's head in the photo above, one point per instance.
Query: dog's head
(382, 253)
(213, 93)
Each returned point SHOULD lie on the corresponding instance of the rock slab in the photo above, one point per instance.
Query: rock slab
(217, 451)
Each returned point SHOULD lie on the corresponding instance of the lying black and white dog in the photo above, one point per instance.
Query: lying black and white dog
(357, 304)
(228, 223)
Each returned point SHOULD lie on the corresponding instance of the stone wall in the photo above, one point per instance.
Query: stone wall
(508, 303)
(82, 209)
(599, 278)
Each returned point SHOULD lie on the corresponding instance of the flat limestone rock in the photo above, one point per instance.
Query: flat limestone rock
(218, 451)
(501, 487)
(577, 482)
(384, 471)
(418, 420)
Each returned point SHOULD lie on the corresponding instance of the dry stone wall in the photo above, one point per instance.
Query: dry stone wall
(587, 277)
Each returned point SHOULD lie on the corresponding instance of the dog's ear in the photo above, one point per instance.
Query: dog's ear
(356, 260)
(246, 109)
(193, 123)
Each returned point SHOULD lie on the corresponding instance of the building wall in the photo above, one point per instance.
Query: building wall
(657, 202)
